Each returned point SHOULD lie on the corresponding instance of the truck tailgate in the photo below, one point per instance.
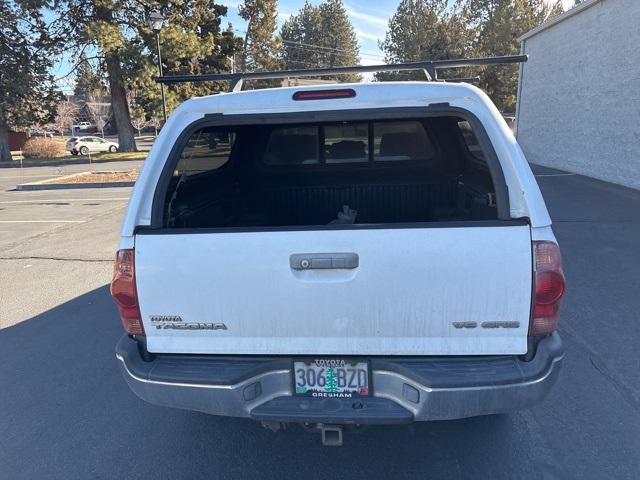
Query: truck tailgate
(457, 289)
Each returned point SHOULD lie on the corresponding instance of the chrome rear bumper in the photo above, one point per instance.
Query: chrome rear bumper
(404, 389)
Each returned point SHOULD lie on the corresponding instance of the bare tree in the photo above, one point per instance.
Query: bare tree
(139, 121)
(139, 118)
(100, 111)
(155, 122)
(66, 112)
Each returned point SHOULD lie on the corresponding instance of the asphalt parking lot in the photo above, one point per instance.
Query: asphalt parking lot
(66, 413)
(55, 245)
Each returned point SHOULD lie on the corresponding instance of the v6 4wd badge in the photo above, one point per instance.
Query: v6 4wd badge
(498, 324)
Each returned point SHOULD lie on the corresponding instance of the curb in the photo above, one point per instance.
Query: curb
(57, 163)
(68, 186)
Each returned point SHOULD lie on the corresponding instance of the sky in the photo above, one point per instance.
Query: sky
(369, 19)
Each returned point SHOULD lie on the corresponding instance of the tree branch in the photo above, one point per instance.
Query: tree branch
(75, 67)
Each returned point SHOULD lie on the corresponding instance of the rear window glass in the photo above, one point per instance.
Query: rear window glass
(404, 140)
(328, 173)
(207, 149)
(470, 140)
(293, 146)
(346, 143)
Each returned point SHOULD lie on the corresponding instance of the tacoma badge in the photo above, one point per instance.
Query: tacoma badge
(175, 322)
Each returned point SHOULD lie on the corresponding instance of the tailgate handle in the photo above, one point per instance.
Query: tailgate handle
(323, 261)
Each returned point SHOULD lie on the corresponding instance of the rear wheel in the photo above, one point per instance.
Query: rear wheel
(84, 151)
(113, 149)
(73, 152)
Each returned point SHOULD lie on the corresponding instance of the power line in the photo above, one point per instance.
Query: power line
(309, 45)
(324, 52)
(307, 64)
(313, 46)
(306, 49)
(300, 62)
(301, 44)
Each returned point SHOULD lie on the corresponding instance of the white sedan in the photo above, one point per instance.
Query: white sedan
(86, 145)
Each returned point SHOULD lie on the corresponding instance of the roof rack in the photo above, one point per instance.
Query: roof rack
(429, 67)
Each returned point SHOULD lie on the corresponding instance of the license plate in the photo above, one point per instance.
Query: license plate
(331, 378)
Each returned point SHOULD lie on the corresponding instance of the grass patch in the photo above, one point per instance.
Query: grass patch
(96, 156)
(114, 156)
(84, 180)
(96, 177)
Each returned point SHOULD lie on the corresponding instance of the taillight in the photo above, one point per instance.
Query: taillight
(124, 292)
(324, 94)
(549, 287)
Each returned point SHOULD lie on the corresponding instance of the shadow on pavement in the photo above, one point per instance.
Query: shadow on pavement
(67, 413)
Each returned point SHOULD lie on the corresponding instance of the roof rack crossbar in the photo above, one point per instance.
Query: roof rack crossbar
(430, 68)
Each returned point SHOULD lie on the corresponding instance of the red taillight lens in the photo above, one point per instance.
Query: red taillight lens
(123, 291)
(549, 288)
(325, 94)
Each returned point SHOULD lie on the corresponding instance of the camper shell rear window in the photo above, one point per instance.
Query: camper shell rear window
(331, 174)
(348, 142)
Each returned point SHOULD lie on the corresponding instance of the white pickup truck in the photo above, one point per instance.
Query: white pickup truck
(371, 253)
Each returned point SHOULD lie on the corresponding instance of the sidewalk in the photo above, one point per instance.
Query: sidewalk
(104, 158)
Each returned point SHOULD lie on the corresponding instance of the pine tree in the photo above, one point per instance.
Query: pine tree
(441, 29)
(27, 92)
(497, 24)
(339, 38)
(424, 30)
(302, 39)
(261, 49)
(332, 384)
(321, 36)
(101, 24)
(192, 43)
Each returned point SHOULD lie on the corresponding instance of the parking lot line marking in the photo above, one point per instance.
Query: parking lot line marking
(18, 177)
(556, 175)
(57, 200)
(43, 221)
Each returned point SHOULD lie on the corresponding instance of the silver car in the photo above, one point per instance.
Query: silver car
(86, 145)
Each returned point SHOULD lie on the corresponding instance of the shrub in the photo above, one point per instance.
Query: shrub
(43, 147)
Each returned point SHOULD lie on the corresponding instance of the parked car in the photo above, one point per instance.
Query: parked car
(84, 127)
(373, 253)
(86, 145)
(42, 133)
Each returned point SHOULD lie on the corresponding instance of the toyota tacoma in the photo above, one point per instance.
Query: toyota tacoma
(339, 255)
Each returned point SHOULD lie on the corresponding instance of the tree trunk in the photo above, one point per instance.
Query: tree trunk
(5, 151)
(121, 114)
(119, 105)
